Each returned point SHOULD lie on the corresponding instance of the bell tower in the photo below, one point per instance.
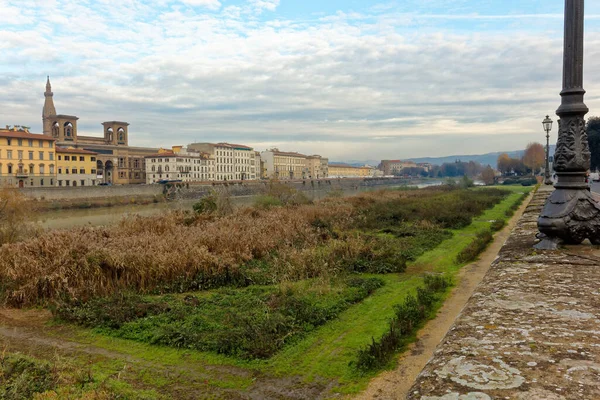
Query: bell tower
(116, 133)
(48, 112)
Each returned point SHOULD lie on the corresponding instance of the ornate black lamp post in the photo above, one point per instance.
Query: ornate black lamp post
(571, 214)
(547, 123)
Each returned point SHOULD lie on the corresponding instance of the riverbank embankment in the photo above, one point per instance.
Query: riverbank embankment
(530, 330)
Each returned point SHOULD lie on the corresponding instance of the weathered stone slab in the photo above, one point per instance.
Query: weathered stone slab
(530, 331)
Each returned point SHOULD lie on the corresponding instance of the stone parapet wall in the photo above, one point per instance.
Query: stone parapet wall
(91, 192)
(531, 330)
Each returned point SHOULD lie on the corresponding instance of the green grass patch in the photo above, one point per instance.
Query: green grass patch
(253, 322)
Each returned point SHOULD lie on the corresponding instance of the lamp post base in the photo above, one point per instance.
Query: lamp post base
(570, 216)
(548, 181)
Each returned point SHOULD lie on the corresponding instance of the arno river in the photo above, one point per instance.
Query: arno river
(61, 219)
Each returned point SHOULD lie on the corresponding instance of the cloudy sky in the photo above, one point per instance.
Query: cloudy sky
(349, 79)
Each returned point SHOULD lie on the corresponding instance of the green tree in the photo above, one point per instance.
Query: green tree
(593, 131)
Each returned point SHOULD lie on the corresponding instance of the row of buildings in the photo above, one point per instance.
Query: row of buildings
(201, 162)
(61, 157)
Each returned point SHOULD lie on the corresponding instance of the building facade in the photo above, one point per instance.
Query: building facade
(233, 162)
(350, 171)
(395, 167)
(284, 165)
(318, 167)
(76, 167)
(26, 159)
(179, 164)
(116, 161)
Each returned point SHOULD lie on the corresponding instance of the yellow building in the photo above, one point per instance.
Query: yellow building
(284, 165)
(75, 167)
(350, 171)
(26, 159)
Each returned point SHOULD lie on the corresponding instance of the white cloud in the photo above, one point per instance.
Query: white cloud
(352, 86)
(261, 5)
(211, 4)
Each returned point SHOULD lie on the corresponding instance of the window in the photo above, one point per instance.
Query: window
(20, 153)
(82, 158)
(59, 158)
(20, 142)
(40, 143)
(51, 182)
(93, 158)
(9, 154)
(31, 155)
(41, 155)
(51, 156)
(82, 171)
(30, 143)
(10, 169)
(82, 182)
(93, 171)
(52, 170)
(67, 158)
(31, 168)
(67, 183)
(121, 162)
(59, 183)
(60, 170)
(42, 169)
(41, 182)
(8, 141)
(74, 170)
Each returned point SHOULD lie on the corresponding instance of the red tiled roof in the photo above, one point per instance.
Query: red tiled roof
(73, 151)
(24, 135)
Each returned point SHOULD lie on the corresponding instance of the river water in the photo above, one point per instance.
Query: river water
(62, 219)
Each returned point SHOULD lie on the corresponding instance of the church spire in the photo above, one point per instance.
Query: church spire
(48, 109)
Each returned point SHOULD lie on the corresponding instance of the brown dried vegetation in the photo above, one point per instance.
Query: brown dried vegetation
(181, 251)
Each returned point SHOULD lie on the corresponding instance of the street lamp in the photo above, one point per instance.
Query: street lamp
(547, 124)
(571, 214)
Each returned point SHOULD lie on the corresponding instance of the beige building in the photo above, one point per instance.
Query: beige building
(26, 159)
(179, 164)
(233, 162)
(318, 167)
(395, 167)
(350, 171)
(116, 162)
(284, 165)
(75, 167)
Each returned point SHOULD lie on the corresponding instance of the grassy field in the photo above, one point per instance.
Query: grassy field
(311, 325)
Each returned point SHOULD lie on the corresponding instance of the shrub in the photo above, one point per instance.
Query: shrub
(470, 253)
(407, 317)
(497, 225)
(217, 202)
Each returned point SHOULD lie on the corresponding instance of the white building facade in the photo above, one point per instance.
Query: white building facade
(233, 162)
(179, 164)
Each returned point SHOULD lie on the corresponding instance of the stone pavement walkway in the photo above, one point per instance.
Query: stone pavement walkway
(531, 330)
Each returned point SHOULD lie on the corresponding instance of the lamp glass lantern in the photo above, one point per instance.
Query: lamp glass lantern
(547, 123)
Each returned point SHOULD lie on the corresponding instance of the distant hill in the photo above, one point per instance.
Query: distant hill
(484, 159)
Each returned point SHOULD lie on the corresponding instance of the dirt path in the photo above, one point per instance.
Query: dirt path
(396, 384)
